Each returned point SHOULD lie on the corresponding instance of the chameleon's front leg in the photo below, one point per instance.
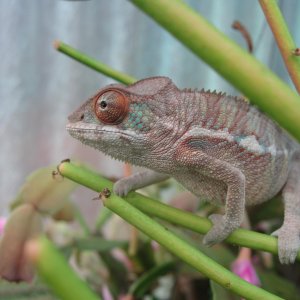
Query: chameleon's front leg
(137, 180)
(223, 225)
(234, 206)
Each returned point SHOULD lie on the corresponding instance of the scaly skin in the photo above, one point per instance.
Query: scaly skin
(219, 147)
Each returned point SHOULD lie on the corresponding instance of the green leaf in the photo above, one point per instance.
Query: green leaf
(103, 217)
(279, 285)
(25, 291)
(98, 244)
(142, 285)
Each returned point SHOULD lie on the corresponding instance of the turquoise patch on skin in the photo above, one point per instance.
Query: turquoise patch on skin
(138, 117)
(239, 138)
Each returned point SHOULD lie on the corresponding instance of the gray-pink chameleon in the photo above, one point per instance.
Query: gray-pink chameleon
(218, 147)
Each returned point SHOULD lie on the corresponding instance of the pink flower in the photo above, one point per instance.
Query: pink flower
(106, 293)
(245, 269)
(2, 224)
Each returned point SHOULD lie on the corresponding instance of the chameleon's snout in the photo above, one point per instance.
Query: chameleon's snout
(76, 117)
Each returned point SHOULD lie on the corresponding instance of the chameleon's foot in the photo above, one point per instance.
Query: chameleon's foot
(288, 242)
(219, 231)
(122, 187)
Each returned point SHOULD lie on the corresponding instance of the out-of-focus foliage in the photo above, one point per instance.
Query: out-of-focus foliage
(41, 194)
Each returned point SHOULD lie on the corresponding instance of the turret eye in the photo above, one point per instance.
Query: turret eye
(103, 104)
(111, 106)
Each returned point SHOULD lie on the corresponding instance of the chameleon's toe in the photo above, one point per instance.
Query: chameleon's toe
(288, 243)
(219, 231)
(122, 187)
(216, 219)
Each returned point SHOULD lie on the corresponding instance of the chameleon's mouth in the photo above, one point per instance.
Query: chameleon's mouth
(81, 130)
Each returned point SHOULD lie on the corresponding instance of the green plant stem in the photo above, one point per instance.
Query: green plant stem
(93, 63)
(56, 272)
(240, 237)
(283, 38)
(185, 251)
(241, 69)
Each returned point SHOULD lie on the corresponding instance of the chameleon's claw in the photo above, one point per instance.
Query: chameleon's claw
(288, 242)
(219, 231)
(122, 187)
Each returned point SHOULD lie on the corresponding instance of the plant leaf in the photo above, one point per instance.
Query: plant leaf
(98, 244)
(140, 286)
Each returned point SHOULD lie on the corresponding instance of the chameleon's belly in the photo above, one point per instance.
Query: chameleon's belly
(208, 189)
(265, 176)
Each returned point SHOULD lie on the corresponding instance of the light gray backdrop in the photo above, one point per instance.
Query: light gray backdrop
(39, 87)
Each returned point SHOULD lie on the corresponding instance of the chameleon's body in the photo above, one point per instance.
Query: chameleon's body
(219, 147)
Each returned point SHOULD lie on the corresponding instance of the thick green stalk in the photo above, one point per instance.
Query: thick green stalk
(240, 237)
(241, 69)
(56, 272)
(93, 63)
(283, 38)
(185, 251)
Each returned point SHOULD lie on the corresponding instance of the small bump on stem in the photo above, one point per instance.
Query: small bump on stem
(296, 52)
(104, 194)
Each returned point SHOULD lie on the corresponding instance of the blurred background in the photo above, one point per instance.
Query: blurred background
(40, 87)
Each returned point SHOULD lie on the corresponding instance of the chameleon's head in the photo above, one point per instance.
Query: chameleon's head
(126, 122)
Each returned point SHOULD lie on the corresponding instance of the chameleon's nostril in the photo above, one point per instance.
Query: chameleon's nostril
(81, 117)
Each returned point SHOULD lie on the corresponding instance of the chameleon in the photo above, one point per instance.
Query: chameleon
(219, 147)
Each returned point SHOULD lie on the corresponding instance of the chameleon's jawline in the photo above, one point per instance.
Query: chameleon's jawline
(81, 128)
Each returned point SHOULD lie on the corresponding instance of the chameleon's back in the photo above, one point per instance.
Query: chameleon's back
(250, 141)
(235, 115)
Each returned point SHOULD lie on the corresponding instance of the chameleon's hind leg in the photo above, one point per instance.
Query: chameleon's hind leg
(289, 233)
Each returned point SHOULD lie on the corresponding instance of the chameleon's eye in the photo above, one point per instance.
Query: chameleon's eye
(111, 107)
